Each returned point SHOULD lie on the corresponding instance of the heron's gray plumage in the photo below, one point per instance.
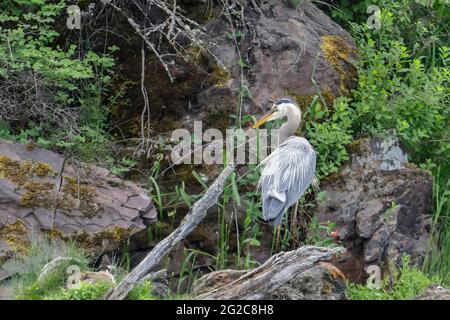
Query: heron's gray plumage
(287, 173)
(290, 169)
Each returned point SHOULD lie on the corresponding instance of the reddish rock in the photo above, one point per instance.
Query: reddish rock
(280, 50)
(378, 202)
(41, 192)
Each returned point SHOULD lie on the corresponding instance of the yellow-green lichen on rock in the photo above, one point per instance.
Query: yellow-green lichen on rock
(83, 194)
(16, 235)
(115, 234)
(104, 240)
(20, 172)
(337, 51)
(218, 75)
(304, 101)
(38, 195)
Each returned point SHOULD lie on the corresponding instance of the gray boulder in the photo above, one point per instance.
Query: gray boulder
(434, 293)
(381, 205)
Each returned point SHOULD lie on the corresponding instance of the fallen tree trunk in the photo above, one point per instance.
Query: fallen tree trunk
(188, 224)
(274, 273)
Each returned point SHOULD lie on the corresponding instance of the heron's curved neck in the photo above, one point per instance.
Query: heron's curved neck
(291, 125)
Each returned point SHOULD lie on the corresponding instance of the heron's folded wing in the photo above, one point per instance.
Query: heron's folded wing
(288, 172)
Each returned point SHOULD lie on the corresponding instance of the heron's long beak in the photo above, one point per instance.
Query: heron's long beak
(270, 116)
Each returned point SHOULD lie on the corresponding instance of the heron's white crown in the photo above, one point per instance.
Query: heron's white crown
(286, 108)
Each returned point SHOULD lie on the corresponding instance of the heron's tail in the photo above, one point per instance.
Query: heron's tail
(273, 210)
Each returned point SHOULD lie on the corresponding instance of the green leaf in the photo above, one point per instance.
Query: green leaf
(234, 189)
(199, 179)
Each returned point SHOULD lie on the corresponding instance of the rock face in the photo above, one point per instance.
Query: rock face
(434, 293)
(40, 192)
(280, 46)
(381, 206)
(316, 283)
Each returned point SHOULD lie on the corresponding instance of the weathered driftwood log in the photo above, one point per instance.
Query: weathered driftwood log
(274, 273)
(154, 275)
(188, 224)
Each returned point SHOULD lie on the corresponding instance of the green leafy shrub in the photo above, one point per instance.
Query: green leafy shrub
(53, 83)
(142, 291)
(404, 79)
(86, 291)
(420, 22)
(329, 131)
(408, 283)
(397, 91)
(437, 260)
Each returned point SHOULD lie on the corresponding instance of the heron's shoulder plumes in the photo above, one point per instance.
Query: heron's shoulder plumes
(299, 143)
(287, 173)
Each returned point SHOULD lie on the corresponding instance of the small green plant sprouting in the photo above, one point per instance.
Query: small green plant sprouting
(320, 234)
(124, 166)
(86, 291)
(142, 291)
(188, 271)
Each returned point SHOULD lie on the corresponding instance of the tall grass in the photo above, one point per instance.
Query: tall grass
(28, 267)
(437, 260)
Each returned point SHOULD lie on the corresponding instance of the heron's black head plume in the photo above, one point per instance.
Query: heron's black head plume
(284, 100)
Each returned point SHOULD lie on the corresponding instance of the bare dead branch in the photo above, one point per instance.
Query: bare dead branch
(188, 224)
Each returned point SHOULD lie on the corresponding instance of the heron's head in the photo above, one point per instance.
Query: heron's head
(280, 109)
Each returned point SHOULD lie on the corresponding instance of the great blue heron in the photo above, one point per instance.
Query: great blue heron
(289, 170)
